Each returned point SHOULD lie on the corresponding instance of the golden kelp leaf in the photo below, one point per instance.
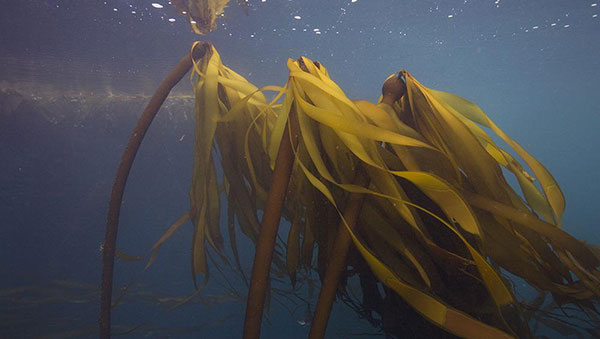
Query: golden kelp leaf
(232, 236)
(351, 141)
(386, 119)
(214, 231)
(466, 108)
(499, 292)
(199, 263)
(548, 183)
(239, 200)
(431, 308)
(446, 131)
(558, 237)
(449, 200)
(358, 128)
(241, 107)
(222, 96)
(390, 235)
(174, 227)
(427, 305)
(470, 113)
(341, 159)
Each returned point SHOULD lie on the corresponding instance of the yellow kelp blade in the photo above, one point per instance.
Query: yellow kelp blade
(170, 231)
(500, 294)
(444, 112)
(352, 142)
(533, 196)
(222, 97)
(431, 308)
(391, 236)
(437, 189)
(473, 112)
(442, 129)
(355, 127)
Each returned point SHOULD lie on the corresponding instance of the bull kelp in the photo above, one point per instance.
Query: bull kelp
(435, 220)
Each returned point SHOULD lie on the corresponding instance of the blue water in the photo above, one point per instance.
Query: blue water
(74, 76)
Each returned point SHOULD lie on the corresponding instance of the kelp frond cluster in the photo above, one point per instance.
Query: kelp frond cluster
(439, 225)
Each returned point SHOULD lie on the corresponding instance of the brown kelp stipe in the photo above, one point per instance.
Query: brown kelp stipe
(114, 207)
(393, 89)
(261, 268)
(337, 264)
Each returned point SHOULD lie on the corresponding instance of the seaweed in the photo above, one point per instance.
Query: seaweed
(428, 211)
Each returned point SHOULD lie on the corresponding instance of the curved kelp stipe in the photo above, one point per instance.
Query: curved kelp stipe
(437, 222)
(114, 208)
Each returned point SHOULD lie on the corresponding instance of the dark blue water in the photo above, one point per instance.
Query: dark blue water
(75, 75)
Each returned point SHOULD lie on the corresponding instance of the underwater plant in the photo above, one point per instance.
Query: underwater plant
(409, 193)
(202, 14)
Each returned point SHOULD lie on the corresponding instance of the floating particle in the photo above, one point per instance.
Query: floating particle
(171, 20)
(157, 5)
(297, 17)
(450, 15)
